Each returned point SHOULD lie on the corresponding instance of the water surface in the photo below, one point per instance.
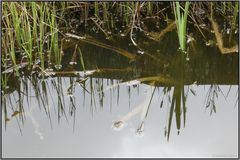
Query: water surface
(157, 104)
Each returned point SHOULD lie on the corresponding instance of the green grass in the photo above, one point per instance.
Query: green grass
(181, 22)
(28, 25)
(41, 34)
(31, 29)
(54, 49)
(96, 8)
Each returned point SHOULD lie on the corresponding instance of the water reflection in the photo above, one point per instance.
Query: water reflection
(61, 109)
(135, 87)
(63, 96)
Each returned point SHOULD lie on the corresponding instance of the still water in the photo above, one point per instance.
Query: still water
(156, 103)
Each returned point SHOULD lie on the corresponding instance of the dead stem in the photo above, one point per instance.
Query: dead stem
(89, 72)
(98, 23)
(159, 79)
(158, 36)
(133, 23)
(219, 40)
(92, 41)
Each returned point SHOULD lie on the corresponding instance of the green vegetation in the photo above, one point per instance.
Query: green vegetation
(31, 30)
(181, 21)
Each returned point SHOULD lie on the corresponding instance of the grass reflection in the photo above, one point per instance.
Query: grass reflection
(65, 91)
(55, 92)
(178, 103)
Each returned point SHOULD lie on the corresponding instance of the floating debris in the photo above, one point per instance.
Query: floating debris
(76, 73)
(118, 125)
(58, 66)
(194, 84)
(133, 82)
(236, 50)
(15, 113)
(74, 36)
(87, 73)
(69, 94)
(210, 43)
(7, 119)
(72, 63)
(140, 52)
(122, 35)
(19, 66)
(187, 58)
(203, 25)
(236, 31)
(228, 30)
(139, 132)
(190, 39)
(49, 70)
(67, 40)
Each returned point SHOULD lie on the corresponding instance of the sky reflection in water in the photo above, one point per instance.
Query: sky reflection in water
(204, 135)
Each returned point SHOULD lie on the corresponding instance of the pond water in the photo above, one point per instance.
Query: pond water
(156, 102)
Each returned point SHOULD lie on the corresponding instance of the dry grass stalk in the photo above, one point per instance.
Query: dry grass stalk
(158, 36)
(219, 40)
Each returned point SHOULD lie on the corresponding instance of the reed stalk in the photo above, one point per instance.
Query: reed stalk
(96, 10)
(149, 8)
(81, 59)
(181, 22)
(41, 35)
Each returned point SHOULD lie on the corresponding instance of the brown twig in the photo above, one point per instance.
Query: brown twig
(219, 40)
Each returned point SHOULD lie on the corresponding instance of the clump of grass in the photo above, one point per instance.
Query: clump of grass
(28, 26)
(22, 28)
(30, 29)
(181, 21)
(234, 20)
(9, 36)
(54, 49)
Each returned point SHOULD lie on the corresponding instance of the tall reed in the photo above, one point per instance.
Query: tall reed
(29, 26)
(9, 36)
(54, 49)
(96, 10)
(181, 22)
(41, 34)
